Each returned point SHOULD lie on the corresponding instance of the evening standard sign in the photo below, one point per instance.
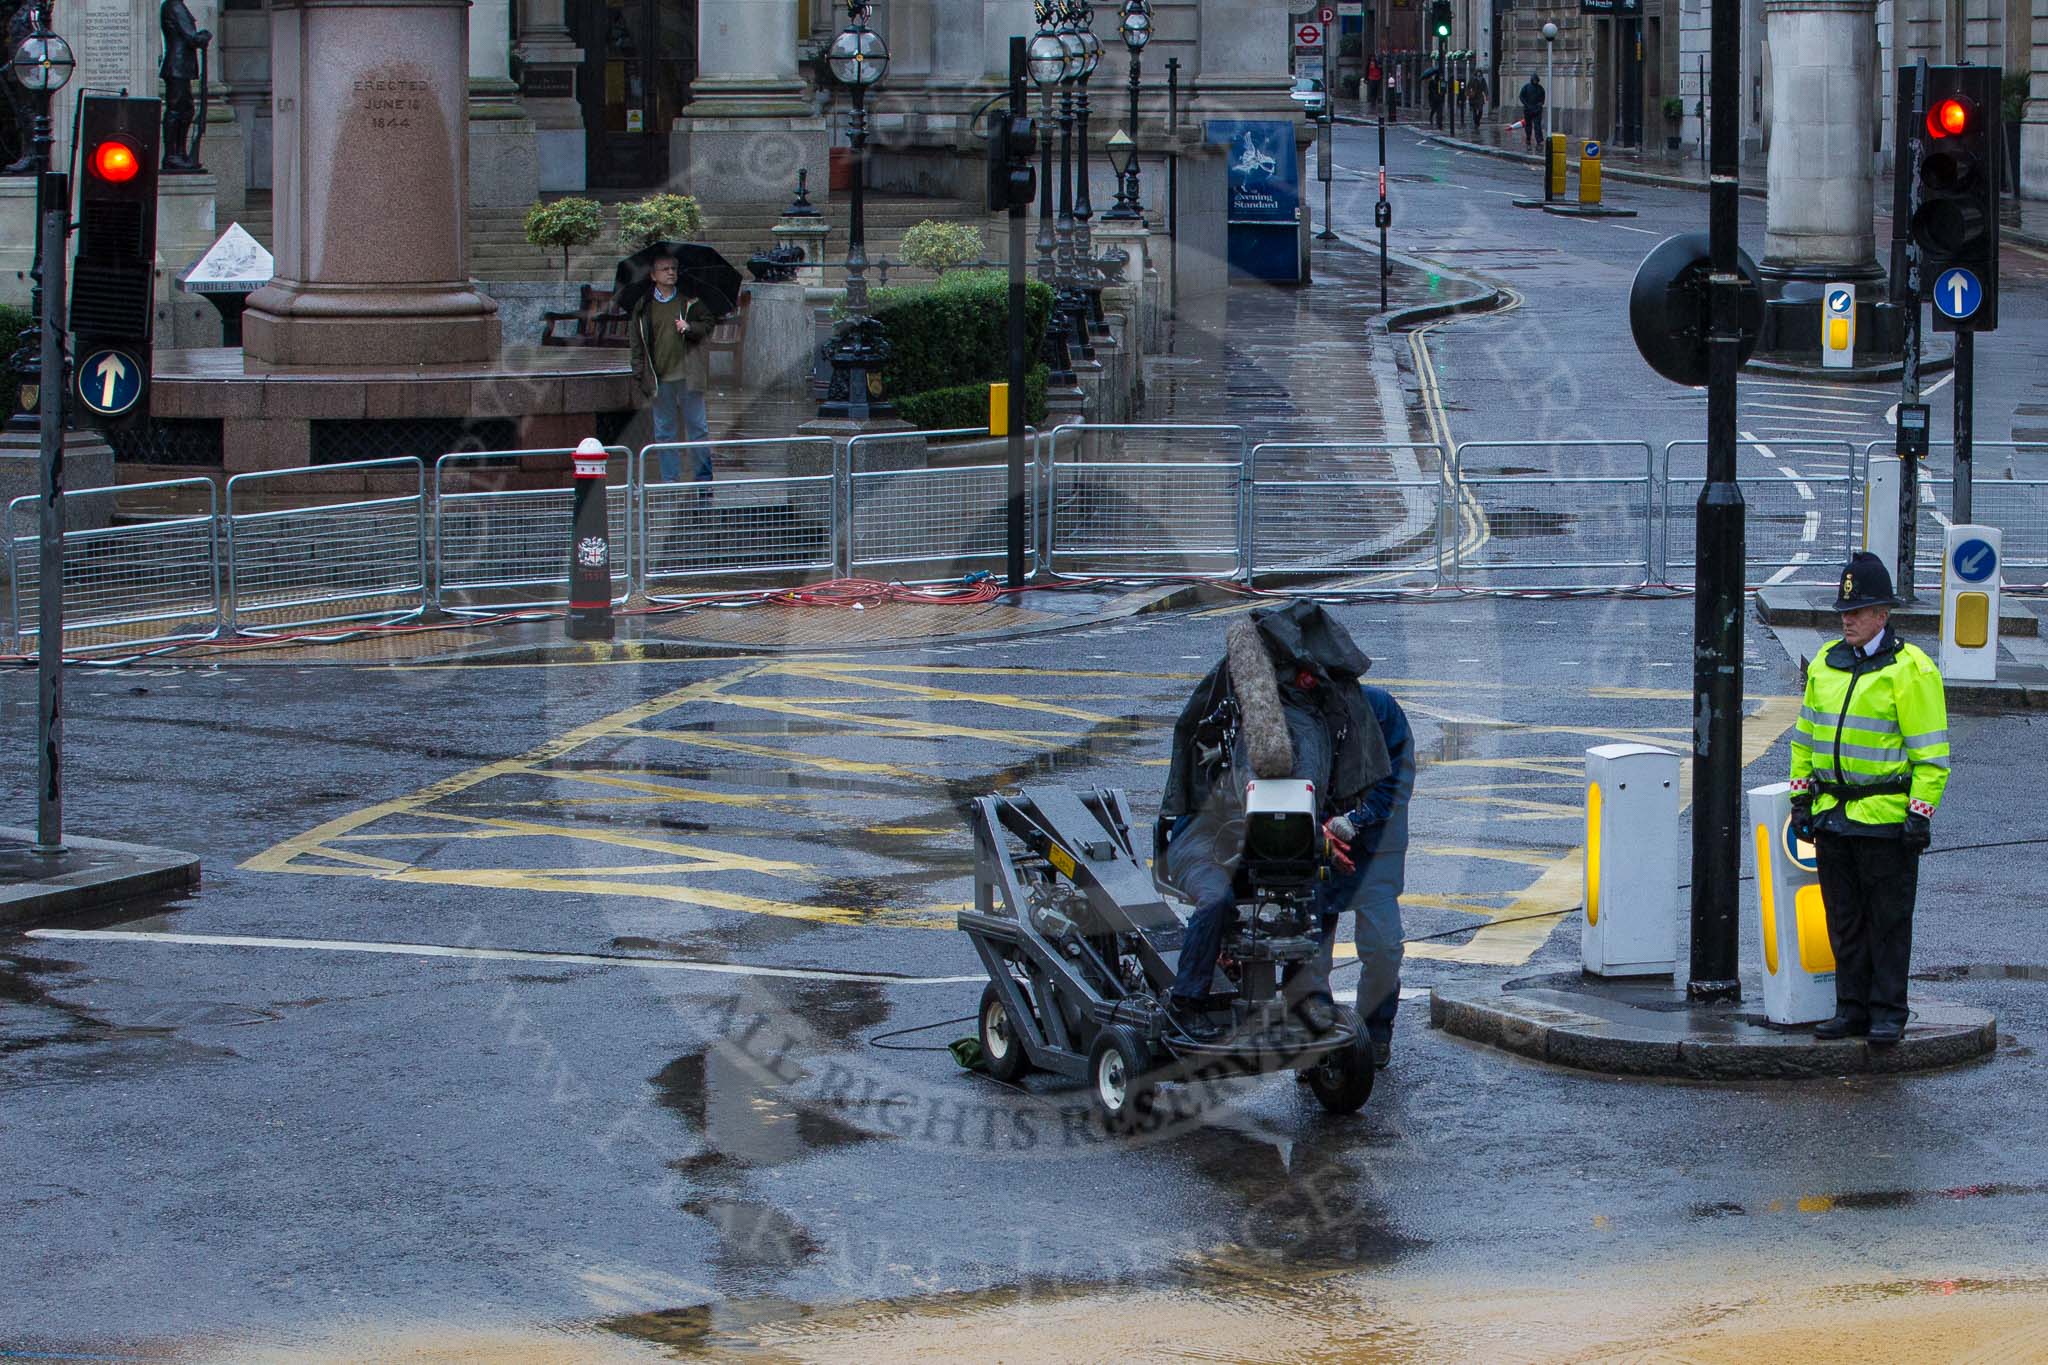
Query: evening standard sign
(1264, 177)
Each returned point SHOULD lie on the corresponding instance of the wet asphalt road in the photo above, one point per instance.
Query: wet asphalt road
(218, 1144)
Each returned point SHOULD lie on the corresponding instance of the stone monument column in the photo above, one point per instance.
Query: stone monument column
(504, 170)
(548, 60)
(750, 125)
(1818, 223)
(371, 171)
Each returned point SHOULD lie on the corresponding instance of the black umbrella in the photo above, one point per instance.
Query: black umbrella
(700, 272)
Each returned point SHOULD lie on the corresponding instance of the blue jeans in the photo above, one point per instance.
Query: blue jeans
(677, 407)
(1209, 886)
(1373, 895)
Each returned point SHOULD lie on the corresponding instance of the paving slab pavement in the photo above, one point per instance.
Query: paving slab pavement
(90, 874)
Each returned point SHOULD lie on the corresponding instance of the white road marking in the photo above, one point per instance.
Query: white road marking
(335, 945)
(1891, 414)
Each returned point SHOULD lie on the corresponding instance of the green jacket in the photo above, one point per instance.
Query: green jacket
(698, 322)
(1879, 722)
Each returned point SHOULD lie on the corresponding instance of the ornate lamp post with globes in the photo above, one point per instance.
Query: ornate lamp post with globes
(42, 66)
(1136, 30)
(1046, 60)
(858, 59)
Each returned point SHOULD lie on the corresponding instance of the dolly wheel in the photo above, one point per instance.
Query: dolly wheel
(1117, 1067)
(1343, 1079)
(1001, 1048)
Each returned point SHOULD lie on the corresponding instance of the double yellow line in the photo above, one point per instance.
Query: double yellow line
(1473, 529)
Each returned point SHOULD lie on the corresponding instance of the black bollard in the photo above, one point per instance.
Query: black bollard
(590, 548)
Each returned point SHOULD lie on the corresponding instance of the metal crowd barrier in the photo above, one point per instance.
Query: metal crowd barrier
(737, 528)
(940, 521)
(2008, 489)
(1128, 499)
(1359, 505)
(1798, 527)
(310, 563)
(505, 548)
(126, 585)
(1534, 526)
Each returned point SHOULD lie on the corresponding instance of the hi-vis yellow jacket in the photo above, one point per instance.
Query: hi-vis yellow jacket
(1879, 723)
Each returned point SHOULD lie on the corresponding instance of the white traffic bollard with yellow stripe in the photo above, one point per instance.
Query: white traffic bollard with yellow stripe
(1969, 603)
(1799, 962)
(1631, 872)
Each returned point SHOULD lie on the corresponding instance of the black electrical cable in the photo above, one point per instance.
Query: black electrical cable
(881, 1040)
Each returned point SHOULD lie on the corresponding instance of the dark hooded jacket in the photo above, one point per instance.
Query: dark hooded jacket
(1330, 718)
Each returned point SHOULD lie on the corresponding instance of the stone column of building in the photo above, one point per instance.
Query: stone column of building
(1818, 223)
(371, 140)
(2034, 115)
(504, 169)
(1243, 54)
(750, 125)
(548, 61)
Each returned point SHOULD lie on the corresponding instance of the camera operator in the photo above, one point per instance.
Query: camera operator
(1284, 703)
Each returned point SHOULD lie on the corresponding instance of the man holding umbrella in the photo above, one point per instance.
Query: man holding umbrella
(668, 329)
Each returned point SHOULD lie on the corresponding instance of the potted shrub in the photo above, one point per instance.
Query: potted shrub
(939, 247)
(567, 224)
(1674, 113)
(659, 218)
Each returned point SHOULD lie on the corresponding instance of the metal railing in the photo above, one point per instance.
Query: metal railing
(1321, 507)
(308, 563)
(140, 579)
(1147, 500)
(2008, 489)
(1522, 522)
(937, 520)
(502, 548)
(738, 528)
(1798, 527)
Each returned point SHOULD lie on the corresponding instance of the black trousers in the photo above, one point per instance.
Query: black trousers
(1869, 886)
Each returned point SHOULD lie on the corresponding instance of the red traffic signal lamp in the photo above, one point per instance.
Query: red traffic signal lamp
(115, 161)
(1951, 117)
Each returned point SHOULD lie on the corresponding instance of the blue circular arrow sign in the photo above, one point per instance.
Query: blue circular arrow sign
(1974, 560)
(1841, 300)
(110, 382)
(1592, 150)
(1957, 293)
(1797, 852)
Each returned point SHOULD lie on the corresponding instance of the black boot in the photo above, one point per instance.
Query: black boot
(1841, 1026)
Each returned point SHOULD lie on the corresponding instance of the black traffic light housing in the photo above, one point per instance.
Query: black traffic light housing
(1440, 20)
(1958, 141)
(113, 281)
(1012, 179)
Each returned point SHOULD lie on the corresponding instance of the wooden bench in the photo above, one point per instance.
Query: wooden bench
(596, 323)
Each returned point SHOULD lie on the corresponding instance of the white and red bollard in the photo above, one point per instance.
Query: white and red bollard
(590, 547)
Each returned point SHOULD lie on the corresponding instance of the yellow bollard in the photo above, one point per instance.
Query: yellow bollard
(1555, 185)
(1589, 172)
(999, 409)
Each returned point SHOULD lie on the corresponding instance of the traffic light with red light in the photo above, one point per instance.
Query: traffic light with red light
(1951, 157)
(113, 282)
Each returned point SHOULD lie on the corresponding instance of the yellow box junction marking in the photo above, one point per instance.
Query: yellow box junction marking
(845, 701)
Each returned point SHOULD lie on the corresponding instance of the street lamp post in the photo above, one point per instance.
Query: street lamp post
(1073, 304)
(1047, 63)
(42, 65)
(858, 59)
(1549, 89)
(1136, 30)
(1090, 273)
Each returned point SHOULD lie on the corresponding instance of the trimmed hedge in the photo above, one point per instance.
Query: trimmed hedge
(954, 333)
(966, 405)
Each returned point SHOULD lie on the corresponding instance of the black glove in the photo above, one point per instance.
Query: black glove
(1917, 834)
(1802, 819)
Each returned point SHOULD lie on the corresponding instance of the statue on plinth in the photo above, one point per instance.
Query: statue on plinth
(184, 62)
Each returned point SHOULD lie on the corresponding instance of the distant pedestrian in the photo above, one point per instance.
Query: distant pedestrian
(1394, 95)
(1480, 91)
(1436, 99)
(670, 365)
(1533, 100)
(1870, 762)
(1373, 77)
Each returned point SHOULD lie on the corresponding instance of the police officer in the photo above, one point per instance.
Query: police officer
(1869, 764)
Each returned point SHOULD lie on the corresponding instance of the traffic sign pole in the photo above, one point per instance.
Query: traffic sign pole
(49, 591)
(1965, 422)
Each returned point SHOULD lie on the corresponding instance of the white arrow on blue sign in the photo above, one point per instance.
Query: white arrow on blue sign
(1841, 300)
(1957, 293)
(1592, 150)
(109, 382)
(1975, 560)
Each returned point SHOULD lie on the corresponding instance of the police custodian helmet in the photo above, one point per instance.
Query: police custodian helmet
(1865, 583)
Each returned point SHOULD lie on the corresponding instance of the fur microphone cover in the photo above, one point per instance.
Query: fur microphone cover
(1266, 740)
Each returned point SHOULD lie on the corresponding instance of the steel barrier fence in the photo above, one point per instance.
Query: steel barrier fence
(1527, 502)
(1334, 517)
(367, 556)
(952, 517)
(1796, 528)
(1999, 497)
(125, 585)
(1128, 501)
(744, 527)
(510, 542)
